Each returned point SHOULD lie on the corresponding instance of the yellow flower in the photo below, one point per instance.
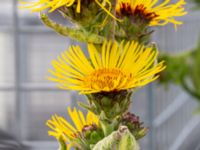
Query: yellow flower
(118, 67)
(62, 128)
(39, 5)
(151, 12)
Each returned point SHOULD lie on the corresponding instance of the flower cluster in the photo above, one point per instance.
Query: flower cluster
(119, 59)
(107, 78)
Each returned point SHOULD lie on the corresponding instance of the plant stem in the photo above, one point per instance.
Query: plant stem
(113, 21)
(189, 90)
(78, 34)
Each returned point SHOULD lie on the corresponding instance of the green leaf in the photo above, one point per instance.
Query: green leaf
(85, 106)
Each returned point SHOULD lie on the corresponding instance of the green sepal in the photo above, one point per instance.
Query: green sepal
(62, 144)
(106, 125)
(113, 104)
(95, 137)
(115, 110)
(87, 107)
(92, 137)
(134, 30)
(140, 134)
(106, 101)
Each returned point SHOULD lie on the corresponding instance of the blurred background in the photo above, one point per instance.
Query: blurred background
(28, 99)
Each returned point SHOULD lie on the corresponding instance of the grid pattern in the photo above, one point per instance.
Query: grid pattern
(27, 99)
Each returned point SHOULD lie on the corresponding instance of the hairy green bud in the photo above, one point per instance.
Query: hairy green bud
(121, 139)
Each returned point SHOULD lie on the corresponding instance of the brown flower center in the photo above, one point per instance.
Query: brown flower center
(139, 12)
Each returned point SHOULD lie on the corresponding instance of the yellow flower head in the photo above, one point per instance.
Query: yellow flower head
(39, 5)
(62, 128)
(118, 67)
(150, 11)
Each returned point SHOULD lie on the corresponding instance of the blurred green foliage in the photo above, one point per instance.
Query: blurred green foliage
(197, 2)
(183, 70)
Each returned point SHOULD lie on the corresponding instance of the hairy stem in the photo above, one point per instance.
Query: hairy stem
(74, 33)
